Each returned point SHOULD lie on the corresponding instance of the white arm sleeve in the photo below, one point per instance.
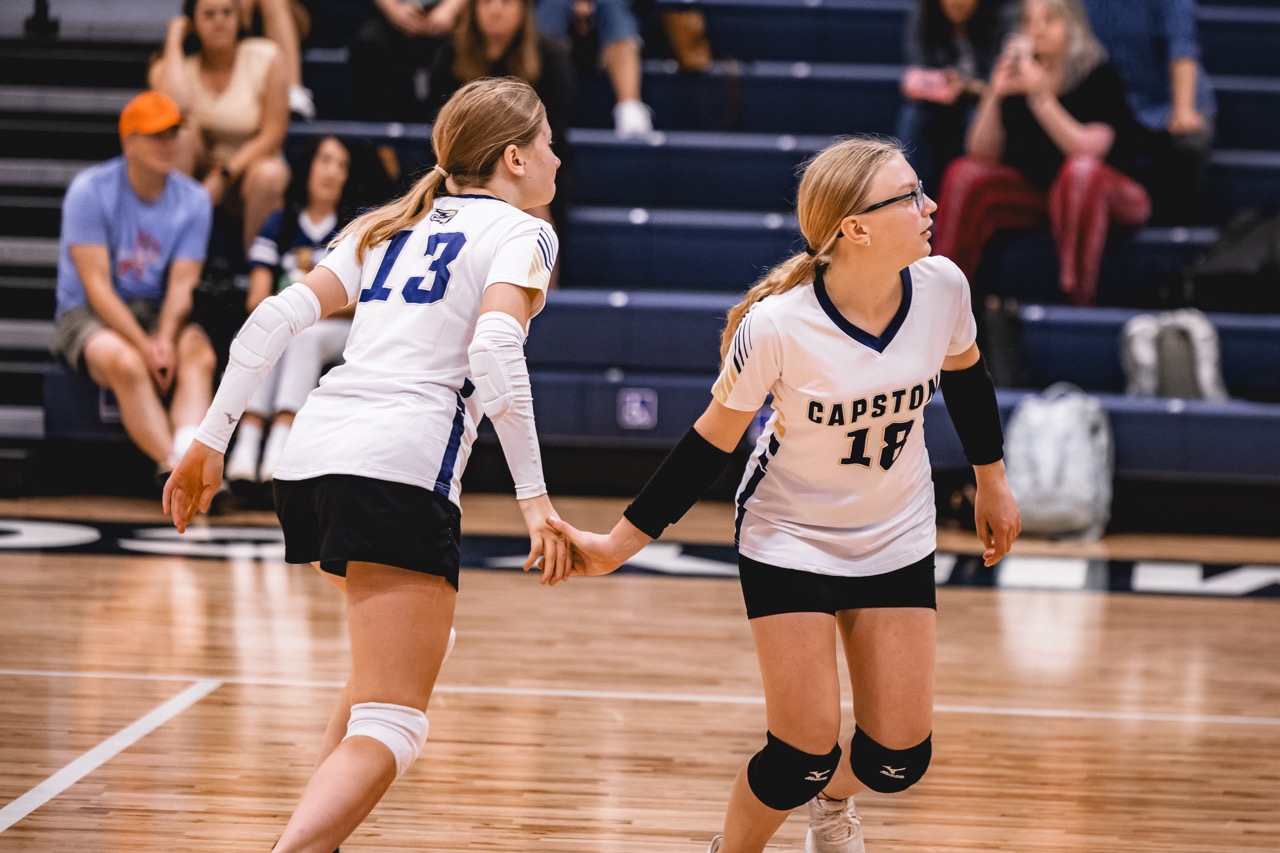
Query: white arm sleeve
(501, 377)
(254, 352)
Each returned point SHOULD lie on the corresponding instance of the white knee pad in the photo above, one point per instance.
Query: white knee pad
(401, 729)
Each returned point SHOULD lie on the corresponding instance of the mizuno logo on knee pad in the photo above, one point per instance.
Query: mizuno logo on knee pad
(783, 777)
(885, 770)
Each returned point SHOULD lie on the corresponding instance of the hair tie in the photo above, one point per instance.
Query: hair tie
(440, 170)
(810, 251)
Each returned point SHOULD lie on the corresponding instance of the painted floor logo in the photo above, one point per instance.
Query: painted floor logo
(666, 558)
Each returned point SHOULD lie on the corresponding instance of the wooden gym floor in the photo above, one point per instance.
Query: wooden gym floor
(158, 703)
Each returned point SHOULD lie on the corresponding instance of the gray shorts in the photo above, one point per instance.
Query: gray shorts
(71, 331)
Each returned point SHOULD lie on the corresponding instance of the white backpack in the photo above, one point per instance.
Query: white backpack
(1060, 462)
(1172, 354)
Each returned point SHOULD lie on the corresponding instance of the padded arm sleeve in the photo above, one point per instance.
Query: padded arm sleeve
(970, 396)
(501, 377)
(254, 352)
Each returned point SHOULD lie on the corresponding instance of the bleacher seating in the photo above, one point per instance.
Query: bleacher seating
(1234, 40)
(665, 231)
(664, 347)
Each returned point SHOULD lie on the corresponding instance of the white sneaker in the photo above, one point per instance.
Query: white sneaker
(301, 105)
(272, 452)
(715, 844)
(834, 827)
(632, 118)
(241, 467)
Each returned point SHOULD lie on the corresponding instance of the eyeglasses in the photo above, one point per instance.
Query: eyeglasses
(917, 194)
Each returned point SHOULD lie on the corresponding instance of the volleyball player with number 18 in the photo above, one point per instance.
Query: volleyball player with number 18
(835, 521)
(446, 280)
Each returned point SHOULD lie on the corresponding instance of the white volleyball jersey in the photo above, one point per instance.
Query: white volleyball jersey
(400, 407)
(839, 481)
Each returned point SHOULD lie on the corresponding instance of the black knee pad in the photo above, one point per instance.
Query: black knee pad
(782, 777)
(888, 770)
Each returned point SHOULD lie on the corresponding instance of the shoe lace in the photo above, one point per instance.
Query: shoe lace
(837, 825)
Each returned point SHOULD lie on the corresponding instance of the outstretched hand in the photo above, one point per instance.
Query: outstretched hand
(597, 553)
(192, 484)
(548, 550)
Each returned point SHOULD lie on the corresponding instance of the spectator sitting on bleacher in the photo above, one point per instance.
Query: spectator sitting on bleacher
(499, 38)
(391, 57)
(285, 22)
(1053, 135)
(233, 92)
(951, 48)
(330, 186)
(612, 33)
(1154, 46)
(134, 231)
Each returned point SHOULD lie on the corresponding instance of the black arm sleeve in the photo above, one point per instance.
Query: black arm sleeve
(687, 472)
(970, 395)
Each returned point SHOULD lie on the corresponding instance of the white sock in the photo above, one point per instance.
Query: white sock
(271, 454)
(182, 439)
(242, 461)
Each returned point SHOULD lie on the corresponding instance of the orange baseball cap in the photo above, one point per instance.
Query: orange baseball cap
(150, 112)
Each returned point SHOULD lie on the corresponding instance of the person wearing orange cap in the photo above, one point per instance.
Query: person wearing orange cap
(134, 232)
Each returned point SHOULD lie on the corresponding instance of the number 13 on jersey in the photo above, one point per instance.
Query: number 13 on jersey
(442, 249)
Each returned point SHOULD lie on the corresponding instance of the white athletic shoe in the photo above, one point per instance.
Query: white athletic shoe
(272, 450)
(715, 844)
(834, 827)
(301, 106)
(240, 469)
(632, 118)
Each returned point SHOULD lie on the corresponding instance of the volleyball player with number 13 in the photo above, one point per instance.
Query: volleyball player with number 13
(445, 280)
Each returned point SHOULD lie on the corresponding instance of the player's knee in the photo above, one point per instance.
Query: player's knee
(401, 729)
(885, 770)
(783, 777)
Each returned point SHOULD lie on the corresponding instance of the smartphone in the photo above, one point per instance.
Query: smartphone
(1018, 48)
(925, 83)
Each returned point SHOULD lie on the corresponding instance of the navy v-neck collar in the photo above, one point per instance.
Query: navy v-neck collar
(879, 344)
(478, 195)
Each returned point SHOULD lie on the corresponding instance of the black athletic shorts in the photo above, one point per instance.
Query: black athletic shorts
(770, 590)
(339, 518)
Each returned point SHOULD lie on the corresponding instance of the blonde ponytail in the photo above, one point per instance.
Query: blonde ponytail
(383, 223)
(795, 270)
(834, 184)
(471, 132)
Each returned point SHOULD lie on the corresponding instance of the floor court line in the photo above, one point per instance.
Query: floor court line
(104, 752)
(706, 698)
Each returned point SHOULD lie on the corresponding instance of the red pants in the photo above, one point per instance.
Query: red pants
(979, 198)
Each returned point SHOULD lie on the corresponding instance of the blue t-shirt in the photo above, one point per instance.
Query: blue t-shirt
(1142, 37)
(101, 209)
